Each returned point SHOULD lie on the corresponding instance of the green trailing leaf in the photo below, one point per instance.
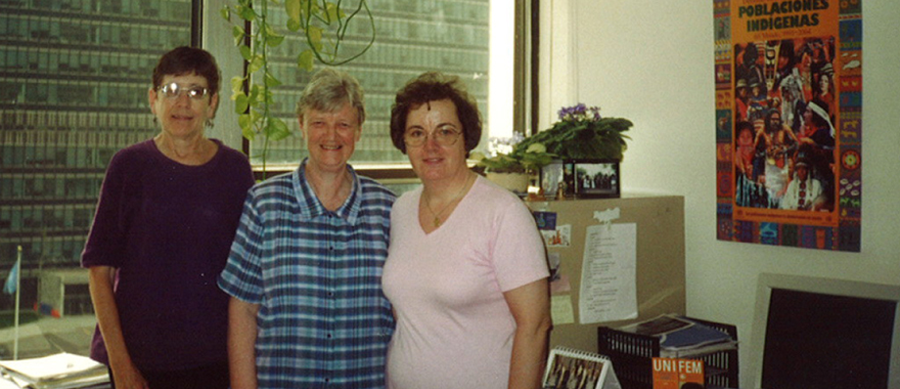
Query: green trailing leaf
(332, 13)
(245, 52)
(268, 97)
(314, 37)
(237, 86)
(305, 60)
(256, 63)
(268, 32)
(271, 81)
(276, 129)
(246, 124)
(237, 33)
(246, 13)
(292, 9)
(225, 12)
(241, 103)
(294, 25)
(275, 40)
(254, 93)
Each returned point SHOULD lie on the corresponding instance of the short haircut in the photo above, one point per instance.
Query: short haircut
(328, 90)
(186, 60)
(434, 86)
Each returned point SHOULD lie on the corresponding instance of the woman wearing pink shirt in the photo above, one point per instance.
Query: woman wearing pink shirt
(466, 271)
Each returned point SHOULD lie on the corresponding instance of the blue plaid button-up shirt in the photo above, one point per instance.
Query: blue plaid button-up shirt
(316, 274)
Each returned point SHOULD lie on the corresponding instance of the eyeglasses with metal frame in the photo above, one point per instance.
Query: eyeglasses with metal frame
(173, 90)
(444, 136)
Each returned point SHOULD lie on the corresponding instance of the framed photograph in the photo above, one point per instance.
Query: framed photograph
(570, 368)
(552, 179)
(558, 179)
(596, 178)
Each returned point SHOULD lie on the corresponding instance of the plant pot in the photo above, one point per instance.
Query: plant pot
(514, 182)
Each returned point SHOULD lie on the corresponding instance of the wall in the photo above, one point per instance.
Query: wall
(652, 61)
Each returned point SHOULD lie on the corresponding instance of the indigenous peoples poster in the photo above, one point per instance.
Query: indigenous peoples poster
(789, 122)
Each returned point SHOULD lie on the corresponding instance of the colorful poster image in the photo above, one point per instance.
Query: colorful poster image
(789, 122)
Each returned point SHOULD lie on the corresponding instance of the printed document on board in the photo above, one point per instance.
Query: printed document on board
(608, 274)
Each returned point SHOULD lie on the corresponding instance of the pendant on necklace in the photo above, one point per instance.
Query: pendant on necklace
(437, 221)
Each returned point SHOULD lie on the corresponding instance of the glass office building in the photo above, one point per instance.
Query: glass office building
(73, 90)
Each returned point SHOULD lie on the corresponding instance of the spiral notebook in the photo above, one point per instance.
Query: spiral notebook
(569, 368)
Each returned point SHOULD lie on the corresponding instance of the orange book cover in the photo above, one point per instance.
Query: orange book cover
(677, 373)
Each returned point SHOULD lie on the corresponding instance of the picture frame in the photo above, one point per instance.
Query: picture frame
(571, 368)
(596, 178)
(552, 179)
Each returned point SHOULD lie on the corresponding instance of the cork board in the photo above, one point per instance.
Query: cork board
(660, 278)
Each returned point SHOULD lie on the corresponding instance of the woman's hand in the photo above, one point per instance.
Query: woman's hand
(128, 376)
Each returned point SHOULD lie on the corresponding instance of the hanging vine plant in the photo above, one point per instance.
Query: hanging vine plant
(324, 25)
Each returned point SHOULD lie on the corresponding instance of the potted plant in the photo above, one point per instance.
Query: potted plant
(585, 144)
(581, 133)
(512, 168)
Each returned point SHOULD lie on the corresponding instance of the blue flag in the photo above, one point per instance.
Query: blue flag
(10, 286)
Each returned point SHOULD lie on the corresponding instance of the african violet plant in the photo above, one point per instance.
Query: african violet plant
(581, 133)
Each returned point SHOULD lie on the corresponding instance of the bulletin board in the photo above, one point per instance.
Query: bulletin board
(660, 272)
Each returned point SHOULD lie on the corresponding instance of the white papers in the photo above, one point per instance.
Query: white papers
(561, 311)
(61, 370)
(608, 274)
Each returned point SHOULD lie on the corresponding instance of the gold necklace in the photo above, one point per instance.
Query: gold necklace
(437, 216)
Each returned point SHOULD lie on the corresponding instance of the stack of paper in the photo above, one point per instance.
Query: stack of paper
(680, 337)
(58, 371)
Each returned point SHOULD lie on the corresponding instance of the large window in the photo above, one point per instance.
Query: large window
(411, 36)
(73, 86)
(73, 90)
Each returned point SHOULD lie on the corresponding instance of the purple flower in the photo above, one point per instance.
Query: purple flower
(579, 112)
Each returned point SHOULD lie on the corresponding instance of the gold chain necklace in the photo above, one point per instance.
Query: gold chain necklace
(437, 216)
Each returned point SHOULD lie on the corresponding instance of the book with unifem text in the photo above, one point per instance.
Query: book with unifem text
(678, 373)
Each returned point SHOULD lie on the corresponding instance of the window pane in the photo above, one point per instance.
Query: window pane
(73, 91)
(412, 36)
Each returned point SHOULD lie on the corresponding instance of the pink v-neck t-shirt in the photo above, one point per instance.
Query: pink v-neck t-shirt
(454, 328)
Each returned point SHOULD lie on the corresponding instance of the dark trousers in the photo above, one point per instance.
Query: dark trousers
(204, 377)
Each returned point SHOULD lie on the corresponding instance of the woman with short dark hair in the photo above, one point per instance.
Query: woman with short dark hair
(466, 271)
(167, 213)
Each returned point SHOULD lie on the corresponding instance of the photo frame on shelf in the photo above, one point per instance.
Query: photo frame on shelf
(552, 179)
(596, 178)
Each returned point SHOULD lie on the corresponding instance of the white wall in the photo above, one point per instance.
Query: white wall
(652, 61)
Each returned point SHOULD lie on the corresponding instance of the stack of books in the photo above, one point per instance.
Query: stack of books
(680, 337)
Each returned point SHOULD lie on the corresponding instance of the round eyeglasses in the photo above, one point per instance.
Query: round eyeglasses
(444, 136)
(173, 90)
